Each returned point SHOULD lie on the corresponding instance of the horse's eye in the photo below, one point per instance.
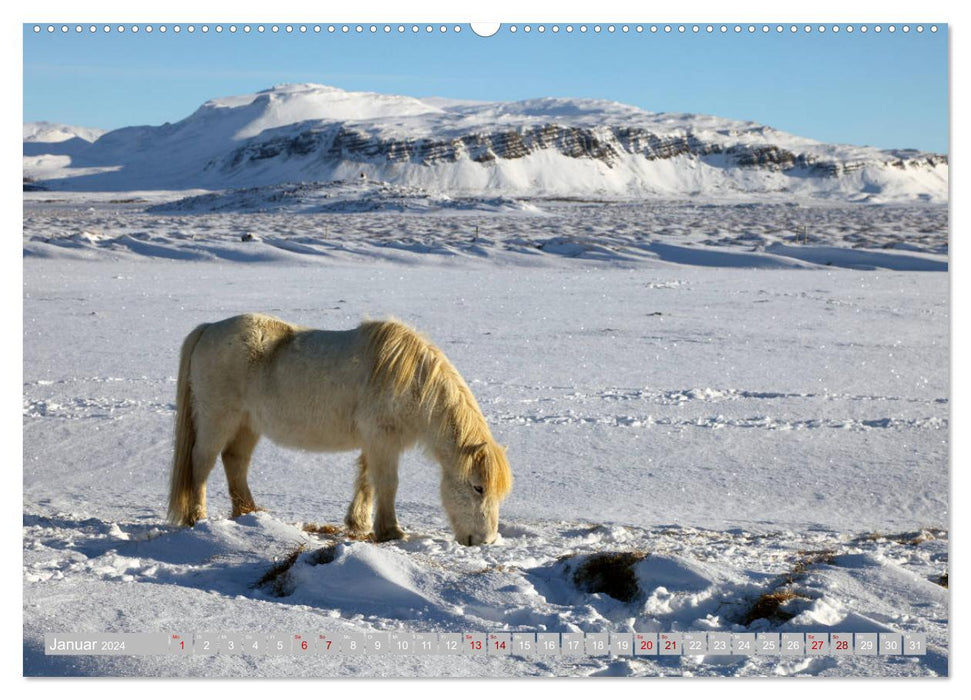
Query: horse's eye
(478, 489)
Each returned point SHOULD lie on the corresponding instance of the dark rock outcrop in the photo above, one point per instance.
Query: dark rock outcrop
(339, 142)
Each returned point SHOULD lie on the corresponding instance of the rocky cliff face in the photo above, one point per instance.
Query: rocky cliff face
(337, 143)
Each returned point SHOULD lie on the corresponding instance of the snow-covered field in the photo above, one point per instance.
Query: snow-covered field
(754, 397)
(366, 222)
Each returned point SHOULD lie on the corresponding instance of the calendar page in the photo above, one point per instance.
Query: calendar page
(367, 346)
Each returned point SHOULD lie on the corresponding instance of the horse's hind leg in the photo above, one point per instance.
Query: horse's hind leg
(212, 435)
(236, 456)
(203, 460)
(358, 518)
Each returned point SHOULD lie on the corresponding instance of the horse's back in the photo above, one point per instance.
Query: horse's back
(227, 350)
(253, 336)
(300, 387)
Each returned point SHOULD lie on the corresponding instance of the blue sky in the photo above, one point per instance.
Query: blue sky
(886, 90)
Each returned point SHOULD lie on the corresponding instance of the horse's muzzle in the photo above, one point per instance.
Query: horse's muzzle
(471, 541)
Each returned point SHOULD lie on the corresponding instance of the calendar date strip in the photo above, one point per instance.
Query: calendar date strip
(519, 644)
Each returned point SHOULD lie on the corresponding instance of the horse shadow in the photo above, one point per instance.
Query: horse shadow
(181, 551)
(91, 537)
(232, 558)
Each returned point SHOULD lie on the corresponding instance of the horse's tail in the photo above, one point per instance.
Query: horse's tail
(180, 489)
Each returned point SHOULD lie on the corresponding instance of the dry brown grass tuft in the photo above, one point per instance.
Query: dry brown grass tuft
(276, 579)
(324, 555)
(942, 580)
(808, 559)
(911, 539)
(318, 529)
(334, 531)
(811, 558)
(611, 573)
(769, 607)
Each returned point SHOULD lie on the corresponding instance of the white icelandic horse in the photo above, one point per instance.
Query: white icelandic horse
(379, 388)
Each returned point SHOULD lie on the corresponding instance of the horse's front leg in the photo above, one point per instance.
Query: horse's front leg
(383, 474)
(358, 518)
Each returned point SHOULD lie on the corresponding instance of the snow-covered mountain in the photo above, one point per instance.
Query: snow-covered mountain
(538, 147)
(48, 132)
(50, 149)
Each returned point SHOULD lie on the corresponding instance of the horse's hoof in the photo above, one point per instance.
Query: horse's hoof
(191, 520)
(356, 527)
(366, 535)
(392, 534)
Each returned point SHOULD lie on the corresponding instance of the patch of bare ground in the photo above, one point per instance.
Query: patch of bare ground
(610, 573)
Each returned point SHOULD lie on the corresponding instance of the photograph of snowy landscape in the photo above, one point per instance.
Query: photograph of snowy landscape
(712, 335)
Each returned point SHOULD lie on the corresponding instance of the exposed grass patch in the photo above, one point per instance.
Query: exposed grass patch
(911, 539)
(807, 560)
(318, 529)
(812, 558)
(611, 573)
(769, 606)
(941, 580)
(276, 581)
(334, 531)
(324, 555)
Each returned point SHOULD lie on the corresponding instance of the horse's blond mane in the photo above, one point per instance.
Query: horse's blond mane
(407, 364)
